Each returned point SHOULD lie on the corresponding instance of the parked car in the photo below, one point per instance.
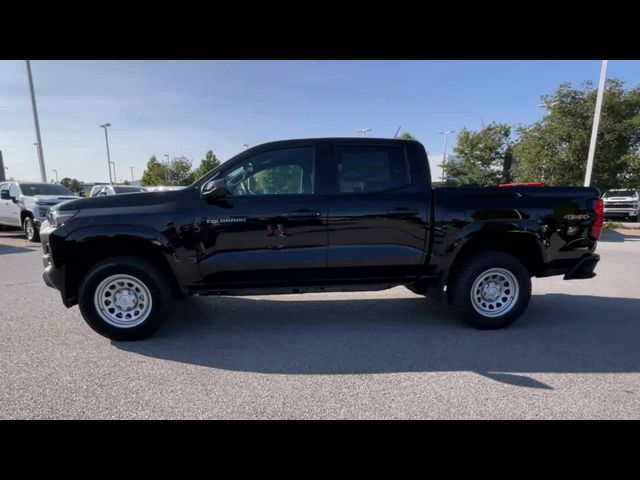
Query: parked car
(96, 188)
(622, 203)
(117, 190)
(26, 204)
(163, 188)
(318, 215)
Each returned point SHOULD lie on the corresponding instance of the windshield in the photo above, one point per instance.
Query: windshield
(128, 189)
(31, 189)
(621, 193)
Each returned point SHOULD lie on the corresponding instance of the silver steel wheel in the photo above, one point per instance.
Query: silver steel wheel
(494, 292)
(29, 230)
(123, 301)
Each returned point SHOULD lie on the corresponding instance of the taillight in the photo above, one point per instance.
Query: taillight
(596, 229)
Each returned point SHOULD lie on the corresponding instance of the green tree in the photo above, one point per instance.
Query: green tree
(281, 179)
(72, 184)
(484, 156)
(208, 163)
(406, 136)
(180, 172)
(554, 150)
(155, 173)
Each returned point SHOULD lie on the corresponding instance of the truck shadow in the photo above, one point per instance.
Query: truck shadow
(6, 249)
(616, 236)
(558, 333)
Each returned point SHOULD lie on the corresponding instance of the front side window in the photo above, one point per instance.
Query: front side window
(364, 169)
(278, 172)
(13, 191)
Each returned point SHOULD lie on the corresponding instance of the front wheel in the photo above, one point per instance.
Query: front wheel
(30, 230)
(490, 290)
(124, 298)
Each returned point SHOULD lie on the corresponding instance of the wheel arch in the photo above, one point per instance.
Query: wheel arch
(523, 245)
(24, 214)
(94, 249)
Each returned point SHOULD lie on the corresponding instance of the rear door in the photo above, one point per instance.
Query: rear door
(379, 211)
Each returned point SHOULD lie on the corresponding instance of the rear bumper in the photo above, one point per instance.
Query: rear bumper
(584, 268)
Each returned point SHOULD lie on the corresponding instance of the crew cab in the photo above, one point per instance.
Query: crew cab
(622, 203)
(317, 215)
(26, 204)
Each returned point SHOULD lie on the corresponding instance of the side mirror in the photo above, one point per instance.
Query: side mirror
(13, 199)
(214, 189)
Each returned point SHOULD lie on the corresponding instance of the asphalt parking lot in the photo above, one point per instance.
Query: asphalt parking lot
(391, 354)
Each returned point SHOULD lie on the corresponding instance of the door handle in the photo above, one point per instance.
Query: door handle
(302, 214)
(403, 212)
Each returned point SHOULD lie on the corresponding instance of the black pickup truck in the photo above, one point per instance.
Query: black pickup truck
(317, 215)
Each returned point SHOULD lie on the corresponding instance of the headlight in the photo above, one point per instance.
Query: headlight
(58, 217)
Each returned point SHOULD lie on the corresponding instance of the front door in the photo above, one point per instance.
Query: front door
(9, 210)
(271, 228)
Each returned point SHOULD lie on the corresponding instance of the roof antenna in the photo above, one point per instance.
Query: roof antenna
(397, 131)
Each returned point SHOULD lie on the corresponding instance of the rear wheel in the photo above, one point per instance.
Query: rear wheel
(30, 230)
(124, 298)
(490, 290)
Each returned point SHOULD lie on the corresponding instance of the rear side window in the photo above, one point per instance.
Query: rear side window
(363, 169)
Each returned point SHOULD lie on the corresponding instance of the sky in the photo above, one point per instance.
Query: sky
(184, 108)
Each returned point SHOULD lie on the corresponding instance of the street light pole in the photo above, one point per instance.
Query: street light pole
(596, 123)
(444, 155)
(165, 155)
(364, 131)
(132, 180)
(106, 139)
(245, 145)
(43, 172)
(114, 172)
(56, 172)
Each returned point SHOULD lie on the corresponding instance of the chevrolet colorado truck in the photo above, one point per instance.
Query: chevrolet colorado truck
(317, 215)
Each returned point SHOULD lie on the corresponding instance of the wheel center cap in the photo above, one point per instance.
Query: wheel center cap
(491, 291)
(125, 299)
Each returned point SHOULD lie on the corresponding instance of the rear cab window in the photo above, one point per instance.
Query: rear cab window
(371, 168)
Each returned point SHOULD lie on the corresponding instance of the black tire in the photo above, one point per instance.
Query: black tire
(153, 278)
(473, 267)
(30, 230)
